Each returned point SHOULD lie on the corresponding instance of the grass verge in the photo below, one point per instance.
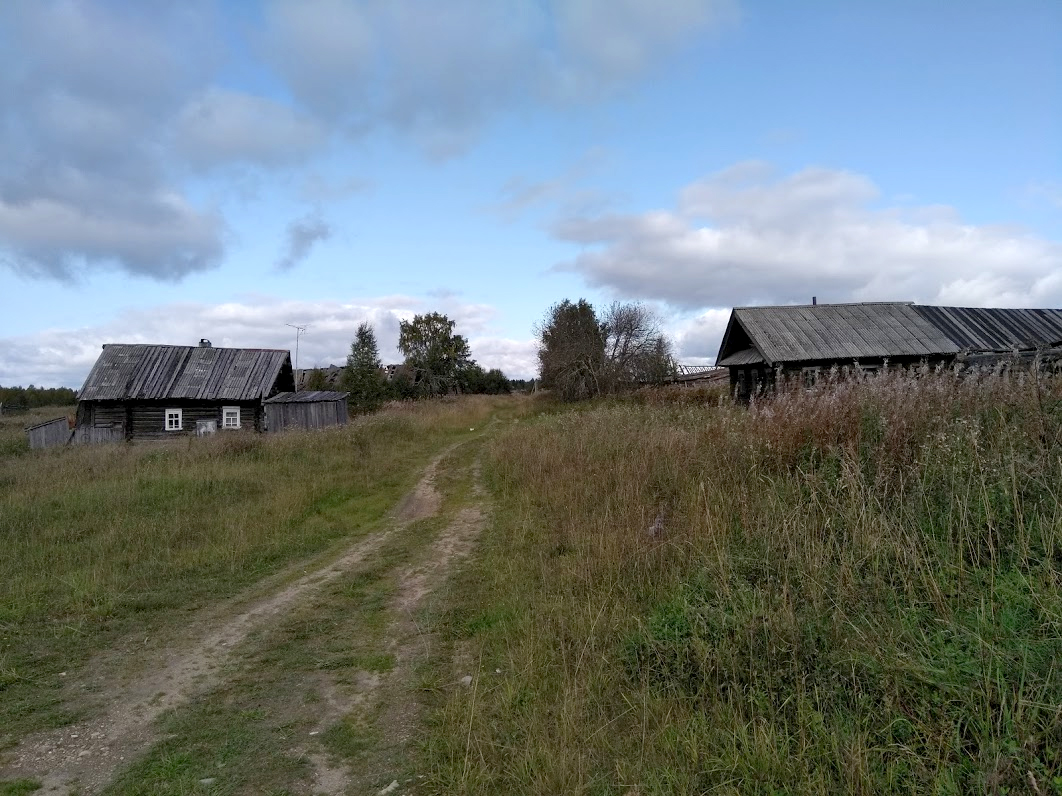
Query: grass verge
(851, 591)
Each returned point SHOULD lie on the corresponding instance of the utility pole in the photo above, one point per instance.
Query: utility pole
(299, 330)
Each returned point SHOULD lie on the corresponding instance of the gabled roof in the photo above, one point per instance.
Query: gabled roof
(839, 332)
(306, 397)
(159, 372)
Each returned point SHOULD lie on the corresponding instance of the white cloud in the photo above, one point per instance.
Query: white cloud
(746, 236)
(437, 70)
(221, 127)
(63, 357)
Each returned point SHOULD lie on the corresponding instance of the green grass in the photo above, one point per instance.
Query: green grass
(854, 591)
(103, 543)
(252, 733)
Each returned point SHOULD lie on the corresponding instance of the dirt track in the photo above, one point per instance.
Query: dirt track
(85, 757)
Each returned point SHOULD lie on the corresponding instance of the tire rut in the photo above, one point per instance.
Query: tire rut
(85, 756)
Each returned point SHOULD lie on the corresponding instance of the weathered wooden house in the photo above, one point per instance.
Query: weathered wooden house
(162, 391)
(764, 345)
(306, 410)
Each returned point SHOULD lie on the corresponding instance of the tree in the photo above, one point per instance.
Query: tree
(581, 356)
(315, 380)
(437, 356)
(363, 376)
(571, 351)
(636, 349)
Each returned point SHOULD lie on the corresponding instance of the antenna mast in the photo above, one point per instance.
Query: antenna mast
(299, 330)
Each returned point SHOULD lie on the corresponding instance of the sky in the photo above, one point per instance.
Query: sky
(220, 170)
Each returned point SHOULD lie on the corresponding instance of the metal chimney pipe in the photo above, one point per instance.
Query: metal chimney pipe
(814, 300)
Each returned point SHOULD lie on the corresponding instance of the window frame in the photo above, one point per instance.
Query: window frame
(225, 411)
(809, 377)
(166, 419)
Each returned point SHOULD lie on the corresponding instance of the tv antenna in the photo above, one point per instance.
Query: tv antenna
(299, 330)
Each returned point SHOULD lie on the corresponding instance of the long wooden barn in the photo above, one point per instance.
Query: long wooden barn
(762, 345)
(162, 391)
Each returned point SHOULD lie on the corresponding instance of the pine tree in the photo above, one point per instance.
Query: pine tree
(363, 376)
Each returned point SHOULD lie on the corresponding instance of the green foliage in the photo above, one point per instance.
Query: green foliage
(437, 356)
(363, 377)
(572, 350)
(316, 379)
(33, 397)
(581, 355)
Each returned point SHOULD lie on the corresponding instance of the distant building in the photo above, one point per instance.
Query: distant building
(165, 391)
(763, 345)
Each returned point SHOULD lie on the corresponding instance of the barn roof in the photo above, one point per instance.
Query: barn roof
(159, 372)
(837, 332)
(306, 397)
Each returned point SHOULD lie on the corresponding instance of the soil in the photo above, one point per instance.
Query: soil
(84, 757)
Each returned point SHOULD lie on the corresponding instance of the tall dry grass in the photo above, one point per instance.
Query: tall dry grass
(850, 591)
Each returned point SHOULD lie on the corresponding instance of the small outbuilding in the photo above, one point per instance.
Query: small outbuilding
(305, 410)
(49, 433)
(763, 345)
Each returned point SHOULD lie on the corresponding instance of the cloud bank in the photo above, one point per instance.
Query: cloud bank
(746, 235)
(110, 110)
(63, 357)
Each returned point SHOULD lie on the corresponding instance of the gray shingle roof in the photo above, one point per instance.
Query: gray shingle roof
(306, 397)
(838, 332)
(158, 372)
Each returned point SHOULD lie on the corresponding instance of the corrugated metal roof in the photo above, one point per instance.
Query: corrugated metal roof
(839, 332)
(994, 329)
(306, 397)
(157, 372)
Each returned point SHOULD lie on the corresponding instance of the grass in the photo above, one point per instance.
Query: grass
(106, 543)
(854, 590)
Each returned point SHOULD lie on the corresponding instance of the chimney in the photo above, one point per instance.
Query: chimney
(814, 301)
(204, 343)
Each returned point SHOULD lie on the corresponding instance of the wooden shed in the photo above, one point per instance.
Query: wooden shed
(763, 344)
(305, 410)
(163, 391)
(49, 433)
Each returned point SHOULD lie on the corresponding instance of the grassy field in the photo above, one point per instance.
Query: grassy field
(849, 591)
(855, 591)
(103, 544)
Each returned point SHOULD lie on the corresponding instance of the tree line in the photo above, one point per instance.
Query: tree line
(15, 398)
(437, 362)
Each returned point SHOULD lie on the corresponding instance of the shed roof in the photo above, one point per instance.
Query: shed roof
(825, 332)
(306, 397)
(158, 372)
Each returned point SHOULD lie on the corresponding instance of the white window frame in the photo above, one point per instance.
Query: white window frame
(179, 413)
(225, 411)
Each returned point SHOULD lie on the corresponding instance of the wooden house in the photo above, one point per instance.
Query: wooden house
(764, 345)
(163, 391)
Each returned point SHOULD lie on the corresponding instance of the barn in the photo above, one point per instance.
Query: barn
(763, 345)
(164, 391)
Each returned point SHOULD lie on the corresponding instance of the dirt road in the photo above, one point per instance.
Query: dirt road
(86, 757)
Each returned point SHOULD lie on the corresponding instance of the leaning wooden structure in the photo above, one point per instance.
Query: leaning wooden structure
(305, 410)
(764, 346)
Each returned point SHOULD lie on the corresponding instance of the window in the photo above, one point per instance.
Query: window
(811, 375)
(230, 417)
(174, 420)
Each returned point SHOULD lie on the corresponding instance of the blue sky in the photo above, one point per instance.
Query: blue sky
(177, 171)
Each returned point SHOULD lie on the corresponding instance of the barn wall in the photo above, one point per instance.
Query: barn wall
(305, 415)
